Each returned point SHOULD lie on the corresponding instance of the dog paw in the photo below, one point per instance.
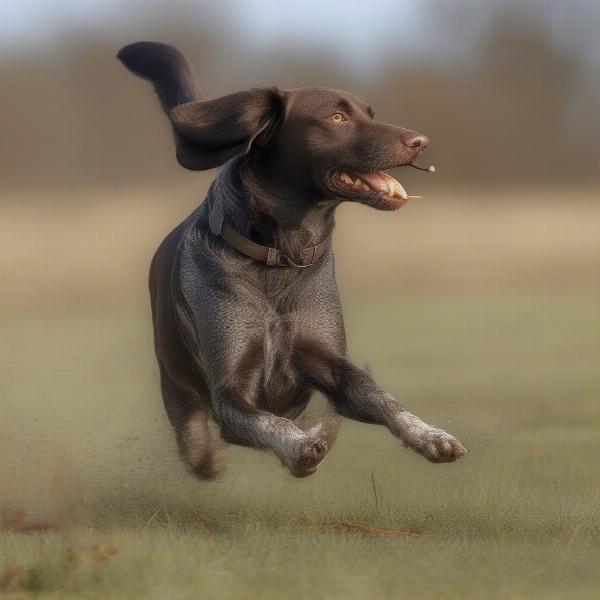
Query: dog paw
(438, 446)
(310, 453)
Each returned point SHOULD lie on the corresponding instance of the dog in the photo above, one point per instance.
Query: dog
(246, 310)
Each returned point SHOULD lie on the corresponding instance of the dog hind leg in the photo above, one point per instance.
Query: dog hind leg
(190, 421)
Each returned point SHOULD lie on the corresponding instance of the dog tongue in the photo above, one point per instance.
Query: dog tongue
(382, 183)
(376, 181)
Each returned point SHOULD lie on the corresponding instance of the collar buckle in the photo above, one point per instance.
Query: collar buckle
(272, 257)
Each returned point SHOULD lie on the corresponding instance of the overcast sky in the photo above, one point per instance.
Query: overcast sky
(360, 31)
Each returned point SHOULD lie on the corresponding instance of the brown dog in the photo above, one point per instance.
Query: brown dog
(246, 310)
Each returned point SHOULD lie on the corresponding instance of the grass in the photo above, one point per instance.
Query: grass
(85, 444)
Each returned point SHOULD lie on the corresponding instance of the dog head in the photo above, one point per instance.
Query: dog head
(322, 142)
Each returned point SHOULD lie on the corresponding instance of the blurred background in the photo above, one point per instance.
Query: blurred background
(479, 303)
(506, 90)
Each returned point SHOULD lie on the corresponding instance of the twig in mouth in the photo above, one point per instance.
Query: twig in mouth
(430, 169)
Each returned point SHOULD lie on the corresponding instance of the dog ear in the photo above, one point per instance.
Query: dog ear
(210, 132)
(207, 133)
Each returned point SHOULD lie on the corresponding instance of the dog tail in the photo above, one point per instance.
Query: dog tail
(166, 67)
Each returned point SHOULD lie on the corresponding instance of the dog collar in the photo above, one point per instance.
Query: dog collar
(270, 256)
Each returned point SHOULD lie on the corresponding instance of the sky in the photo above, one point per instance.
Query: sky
(302, 19)
(359, 30)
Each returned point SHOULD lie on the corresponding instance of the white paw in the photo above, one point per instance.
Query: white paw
(310, 453)
(434, 444)
(439, 446)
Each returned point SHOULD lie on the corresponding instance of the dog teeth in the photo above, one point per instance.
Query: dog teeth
(396, 190)
(393, 187)
(401, 191)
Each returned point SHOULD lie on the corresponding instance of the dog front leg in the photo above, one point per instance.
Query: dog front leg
(355, 395)
(245, 425)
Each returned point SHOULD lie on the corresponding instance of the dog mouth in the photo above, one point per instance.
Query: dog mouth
(376, 189)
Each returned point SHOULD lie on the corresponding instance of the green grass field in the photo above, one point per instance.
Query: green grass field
(84, 445)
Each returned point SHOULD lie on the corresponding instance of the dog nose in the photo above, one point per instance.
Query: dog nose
(417, 140)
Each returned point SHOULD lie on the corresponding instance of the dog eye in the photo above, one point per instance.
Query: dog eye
(338, 117)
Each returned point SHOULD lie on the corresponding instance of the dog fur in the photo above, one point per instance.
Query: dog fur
(243, 343)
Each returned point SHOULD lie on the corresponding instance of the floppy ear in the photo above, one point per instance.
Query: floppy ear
(210, 132)
(207, 133)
